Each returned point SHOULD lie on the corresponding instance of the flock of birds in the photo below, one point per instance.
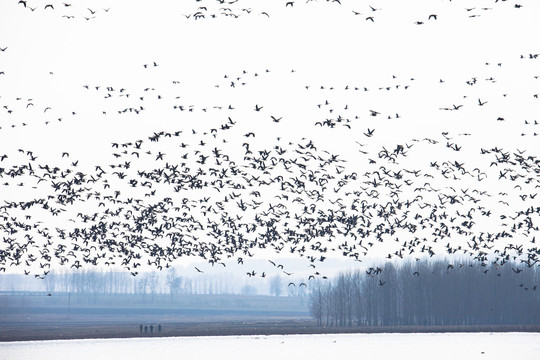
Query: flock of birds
(288, 198)
(334, 105)
(228, 191)
(234, 9)
(212, 9)
(68, 11)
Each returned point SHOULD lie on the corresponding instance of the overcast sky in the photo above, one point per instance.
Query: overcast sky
(388, 66)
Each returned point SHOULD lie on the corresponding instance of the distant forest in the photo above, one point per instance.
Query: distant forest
(429, 293)
(148, 284)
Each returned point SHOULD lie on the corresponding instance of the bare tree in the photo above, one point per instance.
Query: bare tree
(317, 303)
(174, 283)
(276, 285)
(153, 283)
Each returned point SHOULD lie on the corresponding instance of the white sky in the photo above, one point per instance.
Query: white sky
(49, 58)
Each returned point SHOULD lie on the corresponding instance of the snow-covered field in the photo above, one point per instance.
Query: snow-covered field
(358, 346)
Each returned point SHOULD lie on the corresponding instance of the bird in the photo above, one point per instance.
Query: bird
(369, 132)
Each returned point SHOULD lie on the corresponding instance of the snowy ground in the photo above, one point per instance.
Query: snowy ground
(361, 346)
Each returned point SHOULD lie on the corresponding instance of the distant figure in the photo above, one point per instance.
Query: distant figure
(140, 328)
(145, 328)
(152, 329)
(159, 328)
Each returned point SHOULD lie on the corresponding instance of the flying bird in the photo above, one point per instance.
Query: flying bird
(369, 132)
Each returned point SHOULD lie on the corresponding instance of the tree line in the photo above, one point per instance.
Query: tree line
(429, 293)
(148, 284)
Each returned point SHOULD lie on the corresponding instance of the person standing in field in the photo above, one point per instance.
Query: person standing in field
(140, 328)
(152, 329)
(159, 328)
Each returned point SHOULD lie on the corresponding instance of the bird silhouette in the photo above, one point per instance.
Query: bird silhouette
(369, 132)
